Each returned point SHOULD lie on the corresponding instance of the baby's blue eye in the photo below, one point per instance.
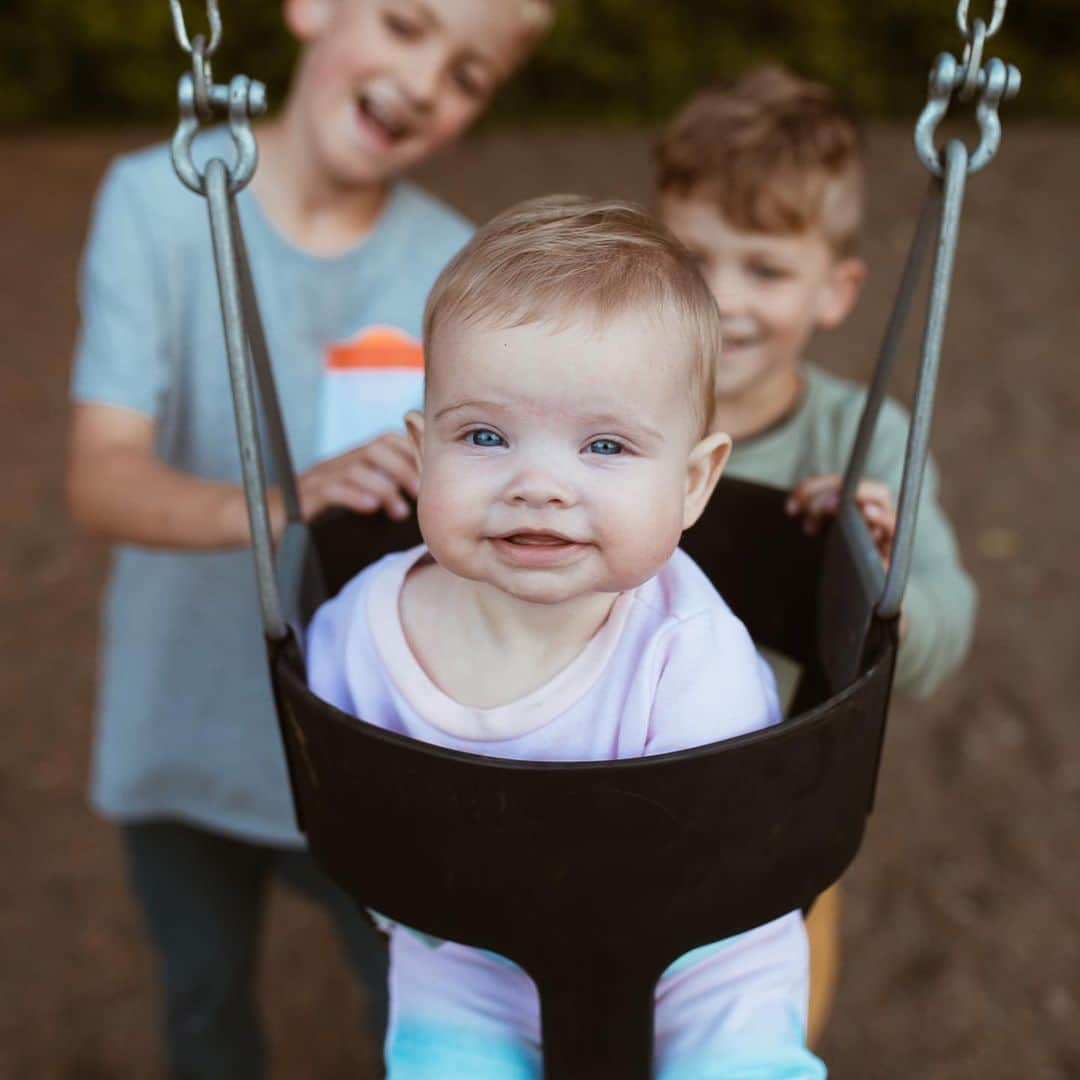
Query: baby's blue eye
(483, 437)
(605, 446)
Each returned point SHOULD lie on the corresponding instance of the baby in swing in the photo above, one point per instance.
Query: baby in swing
(565, 443)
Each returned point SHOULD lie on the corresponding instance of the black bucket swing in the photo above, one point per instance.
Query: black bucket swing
(595, 876)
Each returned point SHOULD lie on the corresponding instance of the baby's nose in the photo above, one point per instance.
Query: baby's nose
(536, 486)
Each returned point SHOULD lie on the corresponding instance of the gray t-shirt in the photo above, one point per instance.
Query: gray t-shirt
(186, 725)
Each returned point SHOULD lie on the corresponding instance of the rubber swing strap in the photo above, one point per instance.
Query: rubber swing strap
(940, 218)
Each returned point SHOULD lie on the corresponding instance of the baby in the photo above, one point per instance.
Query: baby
(565, 443)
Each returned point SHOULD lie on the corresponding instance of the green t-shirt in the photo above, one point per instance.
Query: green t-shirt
(939, 603)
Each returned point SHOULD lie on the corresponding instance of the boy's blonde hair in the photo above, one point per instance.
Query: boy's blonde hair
(551, 258)
(776, 153)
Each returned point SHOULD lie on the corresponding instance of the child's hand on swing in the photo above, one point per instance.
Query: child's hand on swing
(376, 476)
(817, 498)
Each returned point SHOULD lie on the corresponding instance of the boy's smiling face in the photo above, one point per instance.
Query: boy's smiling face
(773, 291)
(384, 83)
(560, 460)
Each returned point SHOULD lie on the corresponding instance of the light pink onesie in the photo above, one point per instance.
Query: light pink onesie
(671, 668)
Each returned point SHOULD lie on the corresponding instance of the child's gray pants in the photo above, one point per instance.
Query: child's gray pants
(202, 897)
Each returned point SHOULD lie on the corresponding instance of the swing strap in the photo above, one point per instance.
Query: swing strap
(245, 339)
(940, 216)
(199, 98)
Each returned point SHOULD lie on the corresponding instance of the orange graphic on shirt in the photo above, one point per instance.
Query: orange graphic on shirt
(376, 347)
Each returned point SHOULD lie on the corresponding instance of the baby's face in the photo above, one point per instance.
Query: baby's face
(556, 460)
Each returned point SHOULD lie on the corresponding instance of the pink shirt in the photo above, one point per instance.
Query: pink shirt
(671, 668)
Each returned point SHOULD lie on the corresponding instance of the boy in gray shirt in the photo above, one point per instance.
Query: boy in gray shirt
(187, 755)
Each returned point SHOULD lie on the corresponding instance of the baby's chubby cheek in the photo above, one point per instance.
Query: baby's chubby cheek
(434, 513)
(451, 523)
(645, 541)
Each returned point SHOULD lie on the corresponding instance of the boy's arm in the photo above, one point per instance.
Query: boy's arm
(124, 374)
(120, 491)
(939, 604)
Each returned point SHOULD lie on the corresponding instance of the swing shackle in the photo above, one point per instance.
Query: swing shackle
(241, 100)
(994, 82)
(200, 100)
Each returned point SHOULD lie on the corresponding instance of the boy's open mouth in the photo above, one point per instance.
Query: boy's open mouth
(385, 119)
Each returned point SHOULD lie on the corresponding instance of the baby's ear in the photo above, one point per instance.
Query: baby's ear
(703, 469)
(414, 427)
(841, 291)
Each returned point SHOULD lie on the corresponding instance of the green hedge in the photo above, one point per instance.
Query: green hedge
(114, 61)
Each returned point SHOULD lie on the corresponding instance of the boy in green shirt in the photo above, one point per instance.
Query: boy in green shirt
(762, 180)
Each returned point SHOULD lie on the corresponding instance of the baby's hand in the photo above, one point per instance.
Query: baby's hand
(817, 498)
(374, 476)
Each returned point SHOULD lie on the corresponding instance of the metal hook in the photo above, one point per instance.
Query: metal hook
(213, 17)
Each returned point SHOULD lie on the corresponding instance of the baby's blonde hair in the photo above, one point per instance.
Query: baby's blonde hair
(551, 258)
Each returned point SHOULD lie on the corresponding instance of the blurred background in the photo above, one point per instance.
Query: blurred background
(607, 61)
(962, 929)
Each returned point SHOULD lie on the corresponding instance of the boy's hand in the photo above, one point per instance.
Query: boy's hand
(374, 476)
(818, 497)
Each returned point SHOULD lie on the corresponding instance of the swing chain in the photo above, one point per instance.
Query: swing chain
(971, 61)
(969, 32)
(213, 17)
(994, 82)
(199, 100)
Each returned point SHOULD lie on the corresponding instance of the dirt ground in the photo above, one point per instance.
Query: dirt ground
(962, 929)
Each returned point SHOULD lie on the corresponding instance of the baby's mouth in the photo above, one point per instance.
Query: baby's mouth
(526, 539)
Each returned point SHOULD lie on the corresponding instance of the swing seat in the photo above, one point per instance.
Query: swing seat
(595, 876)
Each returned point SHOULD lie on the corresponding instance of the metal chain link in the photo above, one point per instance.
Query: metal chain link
(213, 17)
(972, 61)
(996, 19)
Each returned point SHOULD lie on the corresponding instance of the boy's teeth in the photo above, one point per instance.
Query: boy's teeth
(389, 124)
